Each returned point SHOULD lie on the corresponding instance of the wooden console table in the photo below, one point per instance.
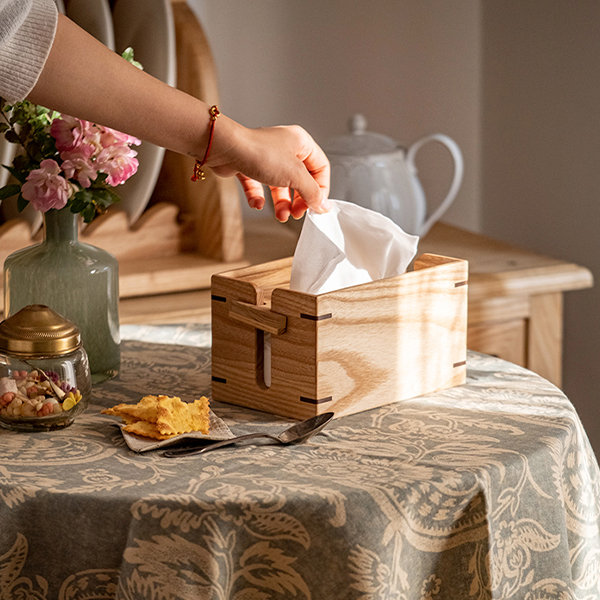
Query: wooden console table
(515, 296)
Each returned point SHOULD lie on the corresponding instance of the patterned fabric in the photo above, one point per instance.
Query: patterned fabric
(488, 490)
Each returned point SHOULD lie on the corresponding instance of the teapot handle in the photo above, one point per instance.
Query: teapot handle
(456, 180)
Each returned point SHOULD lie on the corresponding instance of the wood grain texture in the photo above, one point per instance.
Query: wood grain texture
(161, 275)
(545, 336)
(260, 317)
(154, 234)
(347, 350)
(498, 308)
(504, 339)
(184, 307)
(210, 213)
(497, 268)
(513, 308)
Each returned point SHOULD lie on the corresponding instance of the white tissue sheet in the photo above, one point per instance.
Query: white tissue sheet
(348, 245)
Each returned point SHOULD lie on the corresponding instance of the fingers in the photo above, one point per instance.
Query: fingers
(309, 193)
(317, 165)
(255, 194)
(282, 202)
(298, 206)
(298, 164)
(312, 188)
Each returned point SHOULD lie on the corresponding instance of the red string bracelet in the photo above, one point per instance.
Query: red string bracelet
(214, 112)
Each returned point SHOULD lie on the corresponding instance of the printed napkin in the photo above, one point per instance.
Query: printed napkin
(348, 245)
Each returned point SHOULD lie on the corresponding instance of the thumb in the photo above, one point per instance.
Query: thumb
(309, 193)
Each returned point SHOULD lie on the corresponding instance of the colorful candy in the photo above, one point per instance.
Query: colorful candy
(29, 394)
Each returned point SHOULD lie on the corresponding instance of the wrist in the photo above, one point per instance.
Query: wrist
(228, 135)
(198, 173)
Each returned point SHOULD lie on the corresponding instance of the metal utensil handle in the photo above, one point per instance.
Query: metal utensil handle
(189, 451)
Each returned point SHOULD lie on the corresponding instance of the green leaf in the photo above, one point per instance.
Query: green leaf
(105, 197)
(128, 56)
(21, 203)
(114, 196)
(12, 137)
(23, 164)
(78, 202)
(9, 190)
(18, 175)
(88, 213)
(101, 198)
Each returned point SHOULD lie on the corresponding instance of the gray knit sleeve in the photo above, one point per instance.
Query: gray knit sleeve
(27, 29)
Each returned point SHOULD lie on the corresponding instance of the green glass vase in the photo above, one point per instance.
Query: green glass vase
(77, 280)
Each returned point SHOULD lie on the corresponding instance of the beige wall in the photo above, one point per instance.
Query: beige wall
(516, 83)
(411, 67)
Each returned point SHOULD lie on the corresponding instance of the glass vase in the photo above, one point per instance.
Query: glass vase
(77, 280)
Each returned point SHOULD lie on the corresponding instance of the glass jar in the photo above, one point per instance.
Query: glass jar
(45, 377)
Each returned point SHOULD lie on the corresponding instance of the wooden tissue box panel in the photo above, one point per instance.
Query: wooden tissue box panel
(344, 351)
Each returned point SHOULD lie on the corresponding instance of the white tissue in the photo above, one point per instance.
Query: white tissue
(348, 245)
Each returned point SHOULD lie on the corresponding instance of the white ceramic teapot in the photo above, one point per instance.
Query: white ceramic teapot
(373, 171)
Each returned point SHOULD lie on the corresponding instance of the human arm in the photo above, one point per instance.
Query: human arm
(81, 77)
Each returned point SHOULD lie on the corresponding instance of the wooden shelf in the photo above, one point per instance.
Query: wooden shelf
(163, 275)
(264, 239)
(182, 307)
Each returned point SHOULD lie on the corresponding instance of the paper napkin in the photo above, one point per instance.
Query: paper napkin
(348, 245)
(218, 430)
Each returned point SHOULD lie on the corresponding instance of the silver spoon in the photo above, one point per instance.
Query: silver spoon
(295, 434)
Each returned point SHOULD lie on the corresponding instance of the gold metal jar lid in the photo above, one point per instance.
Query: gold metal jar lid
(38, 331)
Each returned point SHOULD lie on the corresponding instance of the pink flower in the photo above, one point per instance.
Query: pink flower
(110, 137)
(118, 162)
(45, 188)
(67, 131)
(74, 137)
(81, 169)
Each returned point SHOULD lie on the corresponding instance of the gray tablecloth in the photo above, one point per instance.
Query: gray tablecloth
(488, 490)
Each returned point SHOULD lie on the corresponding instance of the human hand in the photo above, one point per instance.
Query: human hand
(285, 158)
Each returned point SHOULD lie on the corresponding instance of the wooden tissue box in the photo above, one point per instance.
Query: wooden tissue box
(346, 351)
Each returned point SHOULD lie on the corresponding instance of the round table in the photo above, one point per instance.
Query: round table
(487, 490)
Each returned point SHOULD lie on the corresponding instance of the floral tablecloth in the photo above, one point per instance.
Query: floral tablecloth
(488, 490)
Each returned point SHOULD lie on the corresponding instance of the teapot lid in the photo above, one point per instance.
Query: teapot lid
(359, 141)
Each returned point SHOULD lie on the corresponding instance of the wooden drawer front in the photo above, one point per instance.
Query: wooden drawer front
(504, 339)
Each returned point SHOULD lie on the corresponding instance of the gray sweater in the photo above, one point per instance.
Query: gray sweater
(27, 29)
